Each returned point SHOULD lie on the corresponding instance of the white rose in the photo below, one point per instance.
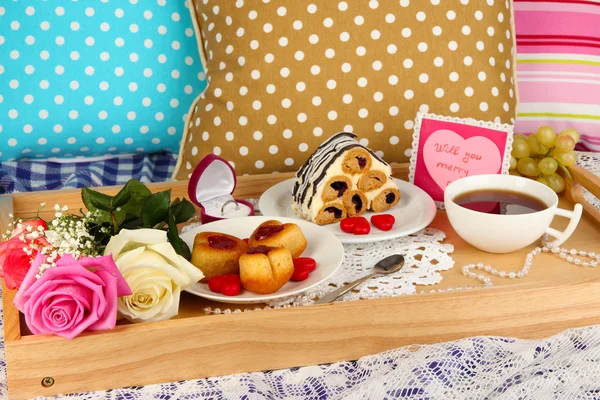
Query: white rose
(155, 273)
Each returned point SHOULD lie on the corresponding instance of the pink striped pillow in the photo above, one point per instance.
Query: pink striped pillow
(558, 67)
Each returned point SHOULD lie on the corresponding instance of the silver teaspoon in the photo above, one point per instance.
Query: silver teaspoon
(388, 265)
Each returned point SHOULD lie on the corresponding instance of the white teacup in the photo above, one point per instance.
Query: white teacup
(497, 233)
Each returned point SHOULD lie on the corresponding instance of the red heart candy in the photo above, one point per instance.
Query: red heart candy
(384, 222)
(305, 262)
(215, 284)
(347, 224)
(300, 274)
(231, 288)
(231, 278)
(361, 227)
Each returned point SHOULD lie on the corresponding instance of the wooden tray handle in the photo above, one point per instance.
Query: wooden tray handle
(582, 178)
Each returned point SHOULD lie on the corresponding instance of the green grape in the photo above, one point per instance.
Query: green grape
(555, 182)
(548, 166)
(567, 159)
(519, 136)
(528, 167)
(514, 172)
(520, 149)
(571, 132)
(564, 143)
(513, 162)
(546, 136)
(542, 181)
(535, 146)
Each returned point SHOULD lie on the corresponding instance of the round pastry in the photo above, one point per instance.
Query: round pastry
(265, 270)
(336, 187)
(371, 180)
(330, 213)
(356, 161)
(385, 200)
(275, 234)
(356, 203)
(217, 254)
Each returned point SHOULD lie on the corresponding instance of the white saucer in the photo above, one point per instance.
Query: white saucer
(323, 246)
(415, 211)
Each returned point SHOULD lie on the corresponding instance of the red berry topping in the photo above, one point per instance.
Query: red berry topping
(361, 227)
(267, 231)
(384, 222)
(215, 284)
(246, 240)
(259, 250)
(221, 242)
(305, 262)
(300, 274)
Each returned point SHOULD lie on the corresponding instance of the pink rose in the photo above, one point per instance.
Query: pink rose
(14, 262)
(73, 296)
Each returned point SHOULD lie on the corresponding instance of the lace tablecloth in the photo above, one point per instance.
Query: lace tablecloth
(566, 366)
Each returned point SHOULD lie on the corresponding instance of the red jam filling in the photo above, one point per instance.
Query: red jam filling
(267, 231)
(221, 242)
(358, 203)
(340, 187)
(259, 250)
(337, 213)
(362, 162)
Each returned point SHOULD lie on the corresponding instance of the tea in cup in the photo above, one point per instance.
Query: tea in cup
(505, 213)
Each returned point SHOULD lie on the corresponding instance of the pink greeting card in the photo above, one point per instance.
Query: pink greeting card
(447, 148)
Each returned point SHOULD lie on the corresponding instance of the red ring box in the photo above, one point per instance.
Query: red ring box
(211, 186)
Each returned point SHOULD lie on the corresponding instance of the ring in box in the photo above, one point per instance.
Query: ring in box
(211, 186)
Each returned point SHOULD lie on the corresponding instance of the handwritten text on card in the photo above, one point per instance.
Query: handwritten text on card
(448, 156)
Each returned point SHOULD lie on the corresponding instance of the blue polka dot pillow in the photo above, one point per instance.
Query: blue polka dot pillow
(95, 77)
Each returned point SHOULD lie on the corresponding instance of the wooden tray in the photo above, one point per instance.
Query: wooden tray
(555, 296)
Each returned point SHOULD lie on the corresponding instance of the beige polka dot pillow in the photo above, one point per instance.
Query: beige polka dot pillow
(284, 75)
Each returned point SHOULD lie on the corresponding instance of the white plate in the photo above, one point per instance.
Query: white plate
(415, 211)
(323, 246)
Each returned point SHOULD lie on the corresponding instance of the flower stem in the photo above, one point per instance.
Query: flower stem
(113, 217)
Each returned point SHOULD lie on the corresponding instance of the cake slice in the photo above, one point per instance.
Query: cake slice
(343, 178)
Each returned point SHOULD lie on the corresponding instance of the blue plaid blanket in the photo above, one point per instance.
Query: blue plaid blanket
(26, 176)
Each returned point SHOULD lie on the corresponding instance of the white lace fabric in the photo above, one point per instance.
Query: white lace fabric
(591, 162)
(565, 366)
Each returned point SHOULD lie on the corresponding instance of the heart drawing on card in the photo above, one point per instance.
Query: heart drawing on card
(448, 156)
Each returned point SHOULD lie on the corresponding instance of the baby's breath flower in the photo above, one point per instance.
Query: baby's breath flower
(68, 234)
(43, 204)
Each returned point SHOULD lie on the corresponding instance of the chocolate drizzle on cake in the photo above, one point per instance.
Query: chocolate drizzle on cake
(312, 173)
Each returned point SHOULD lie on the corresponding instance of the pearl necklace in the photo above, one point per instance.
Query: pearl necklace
(568, 255)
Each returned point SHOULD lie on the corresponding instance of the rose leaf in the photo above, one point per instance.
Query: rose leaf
(156, 208)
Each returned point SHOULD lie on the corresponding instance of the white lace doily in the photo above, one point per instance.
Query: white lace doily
(424, 256)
